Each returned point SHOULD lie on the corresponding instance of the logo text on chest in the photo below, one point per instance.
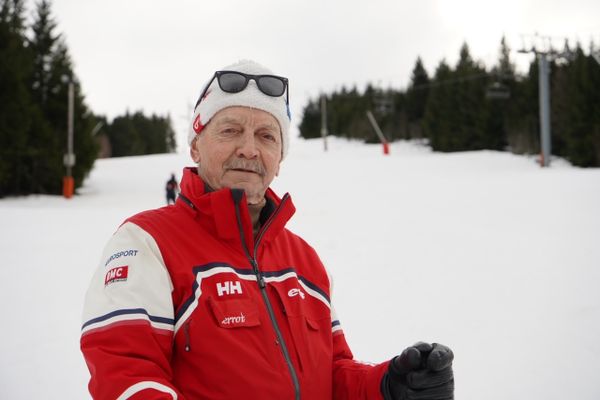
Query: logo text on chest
(229, 287)
(234, 319)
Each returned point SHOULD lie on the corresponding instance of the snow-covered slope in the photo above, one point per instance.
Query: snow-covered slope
(482, 251)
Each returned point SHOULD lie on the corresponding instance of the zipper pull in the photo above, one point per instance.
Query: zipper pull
(259, 277)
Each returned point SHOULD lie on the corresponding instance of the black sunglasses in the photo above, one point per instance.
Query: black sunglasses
(235, 82)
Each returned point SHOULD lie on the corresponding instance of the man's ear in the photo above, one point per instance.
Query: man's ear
(194, 153)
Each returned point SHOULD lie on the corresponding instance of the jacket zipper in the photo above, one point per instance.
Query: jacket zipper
(262, 285)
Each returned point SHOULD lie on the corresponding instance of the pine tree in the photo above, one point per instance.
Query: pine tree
(13, 94)
(522, 121)
(456, 114)
(470, 124)
(46, 149)
(503, 81)
(594, 100)
(123, 137)
(52, 73)
(310, 125)
(416, 99)
(560, 104)
(42, 44)
(583, 135)
(398, 124)
(439, 112)
(20, 118)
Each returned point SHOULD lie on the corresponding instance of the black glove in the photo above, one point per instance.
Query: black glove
(421, 372)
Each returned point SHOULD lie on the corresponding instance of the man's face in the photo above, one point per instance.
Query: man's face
(239, 148)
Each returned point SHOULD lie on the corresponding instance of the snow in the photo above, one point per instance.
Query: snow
(482, 251)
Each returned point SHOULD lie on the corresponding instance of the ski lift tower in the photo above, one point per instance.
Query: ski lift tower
(542, 48)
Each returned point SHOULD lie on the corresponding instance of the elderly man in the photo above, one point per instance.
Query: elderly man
(213, 298)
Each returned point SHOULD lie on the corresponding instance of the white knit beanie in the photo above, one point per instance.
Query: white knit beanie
(215, 100)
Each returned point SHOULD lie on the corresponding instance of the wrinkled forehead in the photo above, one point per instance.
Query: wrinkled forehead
(246, 116)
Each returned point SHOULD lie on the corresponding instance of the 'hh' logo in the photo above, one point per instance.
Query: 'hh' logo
(229, 287)
(117, 274)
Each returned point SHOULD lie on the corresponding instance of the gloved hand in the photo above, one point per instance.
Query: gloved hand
(422, 372)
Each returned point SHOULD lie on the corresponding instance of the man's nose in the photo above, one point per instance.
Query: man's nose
(247, 146)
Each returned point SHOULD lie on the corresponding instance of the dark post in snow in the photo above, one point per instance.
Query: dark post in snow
(377, 130)
(324, 121)
(70, 154)
(69, 158)
(544, 94)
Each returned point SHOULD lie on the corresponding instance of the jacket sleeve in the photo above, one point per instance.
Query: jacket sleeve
(353, 379)
(127, 331)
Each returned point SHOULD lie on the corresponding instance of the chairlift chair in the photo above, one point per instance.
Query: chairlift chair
(497, 90)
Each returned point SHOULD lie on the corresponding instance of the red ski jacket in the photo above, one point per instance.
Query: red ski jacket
(188, 304)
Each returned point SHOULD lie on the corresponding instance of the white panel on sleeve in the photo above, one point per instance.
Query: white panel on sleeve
(131, 284)
(138, 387)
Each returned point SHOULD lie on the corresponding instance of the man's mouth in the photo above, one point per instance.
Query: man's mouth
(250, 171)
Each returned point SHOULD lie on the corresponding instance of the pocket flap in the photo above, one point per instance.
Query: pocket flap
(312, 324)
(234, 313)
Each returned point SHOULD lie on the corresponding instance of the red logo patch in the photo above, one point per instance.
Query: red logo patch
(197, 125)
(117, 274)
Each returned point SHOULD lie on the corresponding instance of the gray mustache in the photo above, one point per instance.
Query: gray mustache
(248, 165)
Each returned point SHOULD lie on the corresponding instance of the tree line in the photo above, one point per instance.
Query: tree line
(136, 134)
(469, 107)
(35, 71)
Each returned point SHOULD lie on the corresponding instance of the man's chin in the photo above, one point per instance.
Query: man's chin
(254, 193)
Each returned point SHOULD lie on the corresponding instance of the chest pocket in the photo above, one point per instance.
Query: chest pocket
(309, 325)
(234, 313)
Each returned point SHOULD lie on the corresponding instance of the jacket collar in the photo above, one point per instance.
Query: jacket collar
(216, 210)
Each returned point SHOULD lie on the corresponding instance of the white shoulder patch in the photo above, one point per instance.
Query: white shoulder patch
(131, 283)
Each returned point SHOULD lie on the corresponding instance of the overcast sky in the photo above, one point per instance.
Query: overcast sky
(155, 56)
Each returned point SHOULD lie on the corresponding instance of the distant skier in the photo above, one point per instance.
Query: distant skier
(171, 188)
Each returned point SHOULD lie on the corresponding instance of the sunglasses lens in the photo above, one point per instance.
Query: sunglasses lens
(232, 82)
(271, 85)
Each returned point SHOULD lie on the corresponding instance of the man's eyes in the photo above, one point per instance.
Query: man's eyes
(229, 131)
(269, 136)
(264, 135)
